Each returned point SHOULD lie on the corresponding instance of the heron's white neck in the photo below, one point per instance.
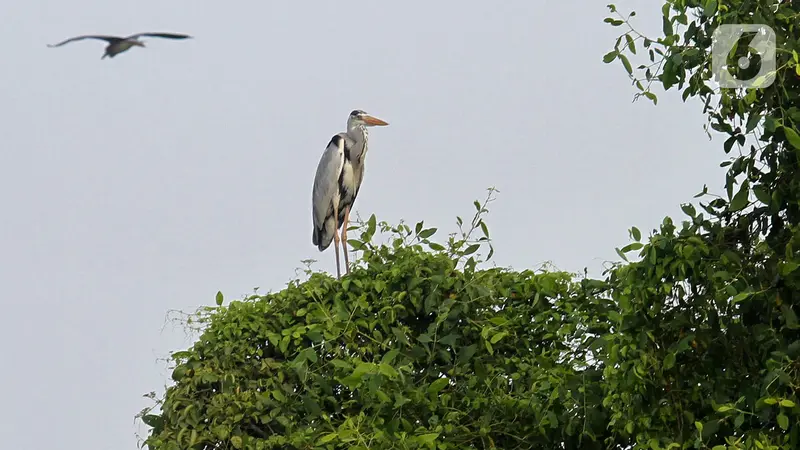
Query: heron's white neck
(359, 134)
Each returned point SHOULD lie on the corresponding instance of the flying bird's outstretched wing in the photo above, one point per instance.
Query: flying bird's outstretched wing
(161, 35)
(109, 39)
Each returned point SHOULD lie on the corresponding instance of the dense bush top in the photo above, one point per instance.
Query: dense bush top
(411, 353)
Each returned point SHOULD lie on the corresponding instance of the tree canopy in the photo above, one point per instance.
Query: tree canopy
(692, 341)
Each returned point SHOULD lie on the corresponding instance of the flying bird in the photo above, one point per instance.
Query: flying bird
(117, 45)
(337, 183)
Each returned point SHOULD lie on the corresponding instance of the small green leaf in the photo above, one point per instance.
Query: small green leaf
(792, 137)
(437, 385)
(631, 44)
(425, 234)
(626, 63)
(449, 340)
(783, 421)
(435, 247)
(666, 25)
(752, 121)
(739, 201)
(636, 234)
(362, 369)
(632, 247)
(471, 249)
(279, 396)
(703, 192)
(741, 296)
(356, 244)
(179, 372)
(770, 401)
(387, 370)
(688, 209)
(219, 298)
(770, 124)
(762, 195)
(787, 403)
(341, 364)
(496, 338)
(699, 426)
(311, 405)
(738, 421)
(236, 441)
(428, 438)
(310, 355)
(710, 8)
(669, 361)
(610, 56)
(465, 353)
(371, 225)
(787, 267)
(327, 438)
(790, 317)
(389, 356)
(484, 229)
(152, 420)
(498, 320)
(728, 145)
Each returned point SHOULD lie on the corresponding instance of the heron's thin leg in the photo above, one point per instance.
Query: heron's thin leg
(344, 238)
(336, 243)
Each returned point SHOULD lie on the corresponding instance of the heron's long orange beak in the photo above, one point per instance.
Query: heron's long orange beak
(373, 120)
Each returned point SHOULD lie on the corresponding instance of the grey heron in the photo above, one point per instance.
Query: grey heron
(337, 182)
(117, 45)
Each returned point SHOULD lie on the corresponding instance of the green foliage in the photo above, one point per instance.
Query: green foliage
(720, 296)
(408, 351)
(696, 344)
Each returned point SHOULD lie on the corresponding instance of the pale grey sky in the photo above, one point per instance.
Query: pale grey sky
(147, 182)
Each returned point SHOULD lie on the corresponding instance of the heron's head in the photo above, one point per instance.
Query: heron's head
(359, 117)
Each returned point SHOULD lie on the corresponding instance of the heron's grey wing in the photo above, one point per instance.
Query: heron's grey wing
(326, 183)
(161, 35)
(109, 39)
